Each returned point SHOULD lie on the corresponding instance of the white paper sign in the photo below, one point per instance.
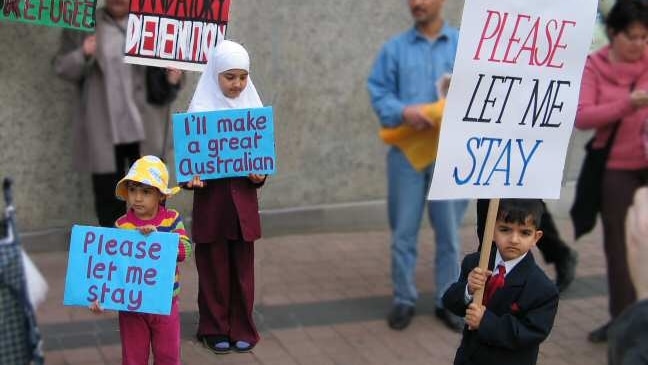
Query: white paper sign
(513, 98)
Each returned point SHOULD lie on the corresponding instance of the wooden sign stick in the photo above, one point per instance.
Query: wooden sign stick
(487, 242)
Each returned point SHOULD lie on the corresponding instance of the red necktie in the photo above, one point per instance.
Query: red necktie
(494, 282)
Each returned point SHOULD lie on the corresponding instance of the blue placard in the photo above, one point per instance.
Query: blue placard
(122, 269)
(226, 143)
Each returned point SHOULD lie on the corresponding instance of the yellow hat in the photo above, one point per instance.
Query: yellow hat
(148, 170)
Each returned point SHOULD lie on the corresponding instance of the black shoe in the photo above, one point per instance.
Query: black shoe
(400, 316)
(599, 335)
(453, 322)
(566, 270)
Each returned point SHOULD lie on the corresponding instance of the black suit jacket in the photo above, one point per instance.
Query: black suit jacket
(518, 318)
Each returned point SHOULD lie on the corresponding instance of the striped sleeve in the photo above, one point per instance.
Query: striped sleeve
(173, 223)
(184, 245)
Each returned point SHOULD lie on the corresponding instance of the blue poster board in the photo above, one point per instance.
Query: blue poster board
(226, 143)
(122, 269)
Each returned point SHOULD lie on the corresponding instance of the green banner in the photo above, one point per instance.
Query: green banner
(74, 14)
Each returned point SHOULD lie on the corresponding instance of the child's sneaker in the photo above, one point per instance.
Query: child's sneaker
(217, 346)
(242, 346)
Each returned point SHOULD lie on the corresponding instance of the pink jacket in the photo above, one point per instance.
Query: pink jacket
(605, 99)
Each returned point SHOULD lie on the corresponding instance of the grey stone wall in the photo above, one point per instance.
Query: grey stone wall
(310, 60)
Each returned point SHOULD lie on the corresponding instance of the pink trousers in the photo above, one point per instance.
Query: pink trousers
(143, 332)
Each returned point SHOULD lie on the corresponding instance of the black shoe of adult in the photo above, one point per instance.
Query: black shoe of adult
(599, 335)
(400, 316)
(566, 270)
(452, 321)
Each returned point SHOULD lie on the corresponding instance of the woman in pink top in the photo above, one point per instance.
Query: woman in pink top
(615, 89)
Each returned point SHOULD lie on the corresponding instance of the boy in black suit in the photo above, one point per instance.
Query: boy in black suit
(520, 301)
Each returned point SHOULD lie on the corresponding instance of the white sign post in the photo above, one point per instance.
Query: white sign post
(510, 110)
(513, 97)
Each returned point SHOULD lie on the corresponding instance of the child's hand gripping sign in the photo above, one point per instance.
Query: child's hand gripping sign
(121, 269)
(225, 143)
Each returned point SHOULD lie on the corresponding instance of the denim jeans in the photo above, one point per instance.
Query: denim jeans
(407, 196)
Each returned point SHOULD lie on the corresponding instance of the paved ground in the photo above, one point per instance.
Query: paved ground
(321, 300)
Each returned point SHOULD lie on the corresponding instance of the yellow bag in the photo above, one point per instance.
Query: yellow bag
(420, 147)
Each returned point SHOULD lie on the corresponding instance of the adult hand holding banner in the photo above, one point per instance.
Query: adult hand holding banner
(121, 269)
(225, 143)
(512, 102)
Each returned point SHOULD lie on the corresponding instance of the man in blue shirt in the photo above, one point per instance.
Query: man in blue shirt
(403, 77)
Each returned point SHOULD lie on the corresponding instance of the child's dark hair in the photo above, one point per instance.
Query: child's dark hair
(137, 183)
(519, 210)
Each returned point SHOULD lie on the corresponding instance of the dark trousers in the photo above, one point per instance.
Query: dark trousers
(552, 247)
(226, 290)
(107, 207)
(619, 187)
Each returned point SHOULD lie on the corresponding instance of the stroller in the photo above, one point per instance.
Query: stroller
(20, 341)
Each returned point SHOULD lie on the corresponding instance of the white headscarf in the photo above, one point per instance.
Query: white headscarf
(227, 55)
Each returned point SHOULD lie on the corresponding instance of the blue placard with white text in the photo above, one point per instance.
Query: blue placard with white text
(225, 143)
(121, 269)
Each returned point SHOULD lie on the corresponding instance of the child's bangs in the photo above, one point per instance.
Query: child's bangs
(137, 184)
(516, 216)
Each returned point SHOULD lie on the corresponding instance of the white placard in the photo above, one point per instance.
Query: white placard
(513, 98)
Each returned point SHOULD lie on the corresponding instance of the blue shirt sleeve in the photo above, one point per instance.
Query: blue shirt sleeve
(382, 86)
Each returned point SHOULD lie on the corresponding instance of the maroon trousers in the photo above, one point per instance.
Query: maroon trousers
(226, 290)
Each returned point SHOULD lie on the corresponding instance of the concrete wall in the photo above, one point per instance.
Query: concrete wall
(310, 60)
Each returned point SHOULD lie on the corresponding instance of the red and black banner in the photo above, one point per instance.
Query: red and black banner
(175, 33)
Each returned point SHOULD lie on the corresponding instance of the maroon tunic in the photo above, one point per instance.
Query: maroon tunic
(223, 207)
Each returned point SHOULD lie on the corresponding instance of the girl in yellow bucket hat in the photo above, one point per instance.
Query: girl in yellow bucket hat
(145, 190)
(148, 170)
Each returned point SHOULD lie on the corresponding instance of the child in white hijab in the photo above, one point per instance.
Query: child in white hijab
(226, 216)
(227, 57)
